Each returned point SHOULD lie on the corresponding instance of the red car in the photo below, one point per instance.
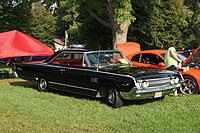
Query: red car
(154, 59)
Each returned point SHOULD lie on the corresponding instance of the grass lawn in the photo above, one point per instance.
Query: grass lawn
(24, 109)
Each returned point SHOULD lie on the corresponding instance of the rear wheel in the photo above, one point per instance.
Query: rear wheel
(114, 99)
(190, 85)
(43, 85)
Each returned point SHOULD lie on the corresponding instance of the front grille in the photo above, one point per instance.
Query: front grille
(159, 82)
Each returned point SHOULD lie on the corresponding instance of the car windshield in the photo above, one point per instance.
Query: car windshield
(195, 57)
(107, 58)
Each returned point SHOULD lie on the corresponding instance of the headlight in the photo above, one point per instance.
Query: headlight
(138, 84)
(145, 84)
(174, 80)
(142, 84)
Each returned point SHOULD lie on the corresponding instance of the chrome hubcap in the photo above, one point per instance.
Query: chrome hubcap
(111, 97)
(43, 84)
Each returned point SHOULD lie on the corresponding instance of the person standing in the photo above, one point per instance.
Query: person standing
(171, 61)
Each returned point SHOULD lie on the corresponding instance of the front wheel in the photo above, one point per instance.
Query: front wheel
(114, 99)
(190, 85)
(43, 85)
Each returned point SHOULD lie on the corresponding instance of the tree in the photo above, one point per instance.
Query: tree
(114, 14)
(160, 23)
(66, 13)
(192, 32)
(94, 34)
(42, 24)
(119, 13)
(14, 15)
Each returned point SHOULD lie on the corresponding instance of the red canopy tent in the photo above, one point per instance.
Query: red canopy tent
(16, 44)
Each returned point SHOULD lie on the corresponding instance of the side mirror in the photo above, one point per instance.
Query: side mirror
(161, 64)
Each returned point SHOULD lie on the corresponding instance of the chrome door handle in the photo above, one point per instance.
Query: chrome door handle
(19, 69)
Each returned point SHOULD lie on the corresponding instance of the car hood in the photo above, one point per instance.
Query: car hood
(138, 72)
(194, 58)
(128, 48)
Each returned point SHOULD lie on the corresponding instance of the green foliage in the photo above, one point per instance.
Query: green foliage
(158, 23)
(42, 24)
(70, 10)
(14, 15)
(98, 7)
(191, 34)
(73, 18)
(70, 19)
(74, 32)
(123, 10)
(67, 18)
(95, 35)
(1, 10)
(161, 24)
(72, 13)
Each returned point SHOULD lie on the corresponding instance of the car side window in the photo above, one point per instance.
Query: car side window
(151, 59)
(69, 59)
(136, 58)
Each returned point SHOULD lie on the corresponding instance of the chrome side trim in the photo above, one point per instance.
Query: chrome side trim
(83, 88)
(89, 70)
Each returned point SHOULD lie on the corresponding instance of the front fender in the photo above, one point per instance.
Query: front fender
(193, 73)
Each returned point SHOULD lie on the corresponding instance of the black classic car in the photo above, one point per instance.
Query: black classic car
(106, 73)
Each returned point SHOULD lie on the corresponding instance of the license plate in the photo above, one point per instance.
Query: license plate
(158, 94)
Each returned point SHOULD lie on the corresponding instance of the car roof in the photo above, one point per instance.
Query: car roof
(77, 51)
(153, 51)
(72, 50)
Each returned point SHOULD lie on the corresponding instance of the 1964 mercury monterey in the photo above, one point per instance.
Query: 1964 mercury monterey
(106, 73)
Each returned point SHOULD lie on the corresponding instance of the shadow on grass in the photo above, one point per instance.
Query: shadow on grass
(103, 100)
(33, 85)
(26, 84)
(139, 101)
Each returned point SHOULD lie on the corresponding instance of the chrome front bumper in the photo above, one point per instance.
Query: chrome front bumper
(136, 93)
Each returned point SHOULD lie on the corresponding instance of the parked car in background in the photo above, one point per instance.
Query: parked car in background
(107, 74)
(154, 59)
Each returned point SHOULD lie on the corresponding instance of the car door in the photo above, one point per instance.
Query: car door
(75, 77)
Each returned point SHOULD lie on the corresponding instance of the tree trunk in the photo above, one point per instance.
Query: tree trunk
(119, 32)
